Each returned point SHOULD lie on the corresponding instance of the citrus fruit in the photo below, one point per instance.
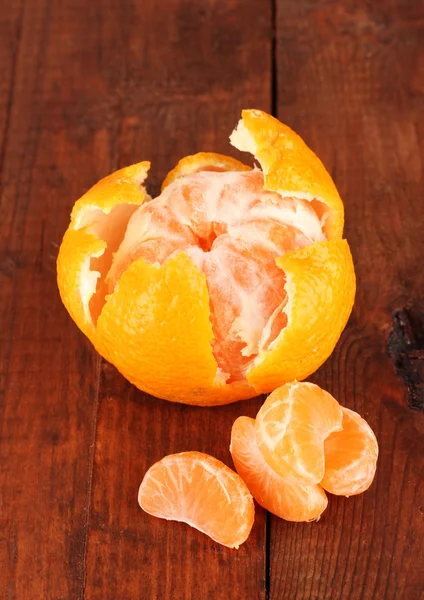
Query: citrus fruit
(292, 501)
(199, 490)
(350, 457)
(292, 426)
(230, 283)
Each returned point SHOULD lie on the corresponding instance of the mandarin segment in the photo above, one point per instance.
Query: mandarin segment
(292, 501)
(350, 457)
(199, 490)
(291, 428)
(302, 443)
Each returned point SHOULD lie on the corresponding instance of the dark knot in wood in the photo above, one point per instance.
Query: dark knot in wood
(405, 347)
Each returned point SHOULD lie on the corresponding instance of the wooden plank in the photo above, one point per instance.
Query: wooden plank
(131, 554)
(49, 373)
(185, 73)
(351, 82)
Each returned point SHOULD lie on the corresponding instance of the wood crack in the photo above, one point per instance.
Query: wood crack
(91, 460)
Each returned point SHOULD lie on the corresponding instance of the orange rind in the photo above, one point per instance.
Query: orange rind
(320, 288)
(290, 167)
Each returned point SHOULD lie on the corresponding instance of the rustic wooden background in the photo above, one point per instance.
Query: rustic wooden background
(87, 87)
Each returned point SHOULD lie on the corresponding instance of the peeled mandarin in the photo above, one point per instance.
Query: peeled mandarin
(230, 283)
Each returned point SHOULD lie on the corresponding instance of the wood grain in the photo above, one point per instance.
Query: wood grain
(49, 373)
(93, 87)
(180, 92)
(86, 88)
(350, 80)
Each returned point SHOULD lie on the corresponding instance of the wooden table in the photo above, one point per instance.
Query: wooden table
(87, 87)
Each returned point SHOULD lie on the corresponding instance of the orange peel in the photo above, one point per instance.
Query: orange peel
(290, 167)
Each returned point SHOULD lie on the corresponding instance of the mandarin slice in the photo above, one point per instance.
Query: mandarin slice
(292, 426)
(350, 457)
(199, 490)
(285, 499)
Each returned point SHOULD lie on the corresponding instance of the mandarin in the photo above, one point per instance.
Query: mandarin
(230, 283)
